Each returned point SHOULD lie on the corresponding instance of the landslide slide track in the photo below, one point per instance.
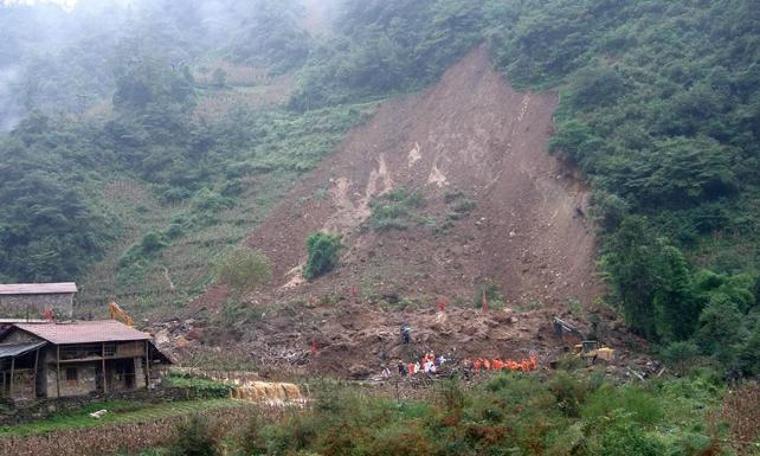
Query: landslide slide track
(470, 136)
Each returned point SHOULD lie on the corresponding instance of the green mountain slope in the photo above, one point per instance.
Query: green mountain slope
(660, 109)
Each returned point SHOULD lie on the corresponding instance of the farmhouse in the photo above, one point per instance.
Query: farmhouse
(34, 300)
(53, 359)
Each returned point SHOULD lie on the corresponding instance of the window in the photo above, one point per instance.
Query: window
(72, 375)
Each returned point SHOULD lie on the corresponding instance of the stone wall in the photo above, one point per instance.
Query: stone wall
(33, 306)
(86, 381)
(139, 373)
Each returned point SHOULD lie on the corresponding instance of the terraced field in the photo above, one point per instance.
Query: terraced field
(127, 431)
(281, 145)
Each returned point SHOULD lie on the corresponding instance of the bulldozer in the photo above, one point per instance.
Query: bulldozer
(589, 350)
(117, 313)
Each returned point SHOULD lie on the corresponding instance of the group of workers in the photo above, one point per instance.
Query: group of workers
(428, 364)
(522, 365)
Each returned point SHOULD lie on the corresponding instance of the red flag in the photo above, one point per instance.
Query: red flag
(442, 302)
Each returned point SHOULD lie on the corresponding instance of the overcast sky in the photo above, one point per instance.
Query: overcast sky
(67, 4)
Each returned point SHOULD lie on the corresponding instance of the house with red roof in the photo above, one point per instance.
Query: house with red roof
(52, 359)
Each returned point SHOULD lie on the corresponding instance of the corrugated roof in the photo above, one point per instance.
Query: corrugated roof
(13, 350)
(37, 288)
(83, 332)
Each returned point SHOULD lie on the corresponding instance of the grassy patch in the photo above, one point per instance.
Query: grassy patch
(173, 235)
(118, 412)
(395, 210)
(508, 414)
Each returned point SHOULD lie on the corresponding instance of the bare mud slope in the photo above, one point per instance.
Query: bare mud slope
(471, 138)
(497, 208)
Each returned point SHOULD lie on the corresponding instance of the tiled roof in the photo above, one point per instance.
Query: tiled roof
(13, 350)
(83, 332)
(37, 288)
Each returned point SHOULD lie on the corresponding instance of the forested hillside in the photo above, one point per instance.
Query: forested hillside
(659, 109)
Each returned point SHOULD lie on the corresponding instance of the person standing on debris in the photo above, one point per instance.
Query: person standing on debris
(401, 369)
(406, 333)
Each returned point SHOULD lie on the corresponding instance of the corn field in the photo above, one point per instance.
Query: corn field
(741, 411)
(126, 437)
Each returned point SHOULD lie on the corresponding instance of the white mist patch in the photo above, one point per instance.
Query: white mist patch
(10, 112)
(66, 5)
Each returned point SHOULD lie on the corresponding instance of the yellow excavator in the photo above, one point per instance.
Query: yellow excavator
(117, 313)
(590, 350)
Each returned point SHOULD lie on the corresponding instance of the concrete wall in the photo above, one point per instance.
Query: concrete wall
(33, 306)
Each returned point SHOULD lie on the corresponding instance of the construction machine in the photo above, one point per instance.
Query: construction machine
(117, 313)
(590, 350)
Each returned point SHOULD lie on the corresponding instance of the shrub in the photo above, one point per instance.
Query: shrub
(200, 387)
(209, 201)
(638, 405)
(493, 295)
(627, 439)
(678, 354)
(749, 353)
(395, 210)
(152, 242)
(244, 269)
(149, 246)
(720, 328)
(251, 440)
(323, 251)
(569, 393)
(194, 438)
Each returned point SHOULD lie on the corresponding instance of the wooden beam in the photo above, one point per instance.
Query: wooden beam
(13, 366)
(58, 370)
(105, 381)
(36, 366)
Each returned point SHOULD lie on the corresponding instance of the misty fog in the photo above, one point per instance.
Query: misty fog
(60, 56)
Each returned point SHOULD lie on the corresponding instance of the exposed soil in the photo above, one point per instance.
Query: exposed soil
(472, 133)
(473, 138)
